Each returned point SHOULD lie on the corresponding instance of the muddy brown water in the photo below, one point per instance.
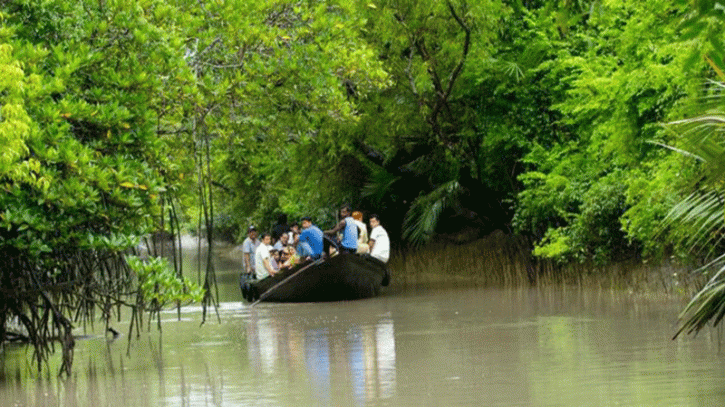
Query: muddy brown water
(412, 346)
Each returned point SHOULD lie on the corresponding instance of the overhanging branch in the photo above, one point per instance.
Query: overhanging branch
(466, 46)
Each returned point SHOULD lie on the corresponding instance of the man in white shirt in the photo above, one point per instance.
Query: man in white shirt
(249, 247)
(379, 242)
(262, 265)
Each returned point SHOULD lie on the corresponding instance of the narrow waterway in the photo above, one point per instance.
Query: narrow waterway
(409, 347)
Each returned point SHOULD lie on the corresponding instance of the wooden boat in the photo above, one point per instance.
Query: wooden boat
(341, 277)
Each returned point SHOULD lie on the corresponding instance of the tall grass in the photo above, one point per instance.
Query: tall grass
(505, 261)
(491, 261)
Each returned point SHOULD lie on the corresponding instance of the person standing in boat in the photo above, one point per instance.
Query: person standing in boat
(348, 243)
(249, 247)
(379, 241)
(310, 241)
(263, 266)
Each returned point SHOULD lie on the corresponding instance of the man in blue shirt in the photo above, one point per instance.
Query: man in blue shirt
(310, 244)
(348, 243)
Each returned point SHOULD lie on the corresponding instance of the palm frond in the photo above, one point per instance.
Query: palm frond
(422, 217)
(512, 69)
(381, 182)
(702, 214)
(702, 211)
(707, 305)
(677, 150)
(702, 137)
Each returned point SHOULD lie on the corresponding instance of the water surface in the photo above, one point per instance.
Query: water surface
(411, 346)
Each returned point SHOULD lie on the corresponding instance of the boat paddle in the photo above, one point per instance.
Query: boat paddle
(274, 287)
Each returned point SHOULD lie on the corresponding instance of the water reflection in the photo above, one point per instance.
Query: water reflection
(339, 358)
(372, 362)
(317, 360)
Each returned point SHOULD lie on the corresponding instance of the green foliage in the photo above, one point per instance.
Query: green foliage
(623, 75)
(286, 80)
(160, 285)
(555, 244)
(85, 90)
(652, 191)
(430, 128)
(90, 166)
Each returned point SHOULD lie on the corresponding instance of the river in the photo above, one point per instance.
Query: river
(412, 346)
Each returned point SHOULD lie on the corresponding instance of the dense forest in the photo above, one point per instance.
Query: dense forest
(592, 127)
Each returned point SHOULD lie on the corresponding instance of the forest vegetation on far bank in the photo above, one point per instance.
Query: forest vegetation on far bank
(589, 127)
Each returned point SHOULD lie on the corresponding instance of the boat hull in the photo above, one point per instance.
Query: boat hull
(339, 278)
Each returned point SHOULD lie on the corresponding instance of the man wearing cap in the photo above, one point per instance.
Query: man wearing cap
(249, 247)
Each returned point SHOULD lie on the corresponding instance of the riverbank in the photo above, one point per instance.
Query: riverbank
(499, 260)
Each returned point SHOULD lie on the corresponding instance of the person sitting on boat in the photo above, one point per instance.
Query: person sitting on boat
(294, 229)
(282, 242)
(310, 240)
(274, 259)
(348, 243)
(362, 239)
(283, 257)
(379, 241)
(263, 267)
(290, 258)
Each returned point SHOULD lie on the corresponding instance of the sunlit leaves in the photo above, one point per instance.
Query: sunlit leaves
(620, 75)
(15, 124)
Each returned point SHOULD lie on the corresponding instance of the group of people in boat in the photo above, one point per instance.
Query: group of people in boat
(286, 246)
